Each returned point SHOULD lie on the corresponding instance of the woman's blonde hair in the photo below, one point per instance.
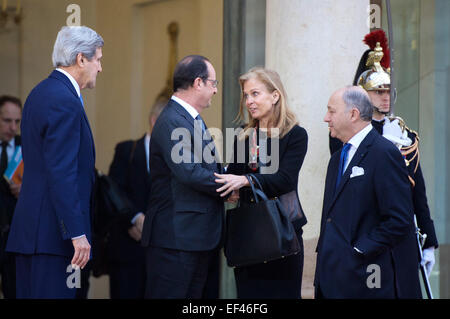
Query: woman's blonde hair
(283, 118)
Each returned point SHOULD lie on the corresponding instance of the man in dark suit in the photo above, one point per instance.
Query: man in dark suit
(50, 230)
(377, 82)
(126, 256)
(10, 116)
(367, 245)
(373, 75)
(184, 221)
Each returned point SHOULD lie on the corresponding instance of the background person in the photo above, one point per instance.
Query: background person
(10, 116)
(126, 257)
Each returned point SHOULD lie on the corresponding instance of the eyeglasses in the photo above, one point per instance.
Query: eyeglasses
(214, 82)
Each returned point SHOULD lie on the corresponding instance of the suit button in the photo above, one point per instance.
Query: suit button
(329, 220)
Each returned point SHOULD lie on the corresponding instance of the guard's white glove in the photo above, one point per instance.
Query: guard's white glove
(428, 260)
(393, 132)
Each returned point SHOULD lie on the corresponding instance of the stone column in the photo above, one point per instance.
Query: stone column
(315, 47)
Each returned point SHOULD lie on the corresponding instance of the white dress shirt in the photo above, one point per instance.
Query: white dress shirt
(147, 150)
(10, 148)
(355, 141)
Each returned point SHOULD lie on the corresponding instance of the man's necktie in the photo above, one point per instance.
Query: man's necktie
(4, 158)
(342, 160)
(207, 138)
(199, 118)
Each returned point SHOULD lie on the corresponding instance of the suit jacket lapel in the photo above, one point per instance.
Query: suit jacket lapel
(208, 143)
(90, 132)
(331, 181)
(63, 78)
(182, 112)
(357, 158)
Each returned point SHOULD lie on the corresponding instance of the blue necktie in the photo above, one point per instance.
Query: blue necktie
(343, 159)
(199, 118)
(81, 99)
(208, 137)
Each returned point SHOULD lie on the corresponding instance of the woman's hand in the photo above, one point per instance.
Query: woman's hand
(230, 183)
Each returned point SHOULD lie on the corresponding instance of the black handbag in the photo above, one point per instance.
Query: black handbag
(112, 204)
(260, 231)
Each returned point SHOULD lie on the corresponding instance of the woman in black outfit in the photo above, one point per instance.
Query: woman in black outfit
(270, 120)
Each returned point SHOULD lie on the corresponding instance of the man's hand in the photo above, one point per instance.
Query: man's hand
(15, 188)
(135, 233)
(82, 252)
(230, 183)
(139, 223)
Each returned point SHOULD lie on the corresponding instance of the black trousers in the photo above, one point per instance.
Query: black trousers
(278, 279)
(176, 274)
(127, 280)
(8, 275)
(212, 285)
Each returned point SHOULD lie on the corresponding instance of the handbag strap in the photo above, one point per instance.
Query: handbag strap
(257, 191)
(256, 180)
(252, 186)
